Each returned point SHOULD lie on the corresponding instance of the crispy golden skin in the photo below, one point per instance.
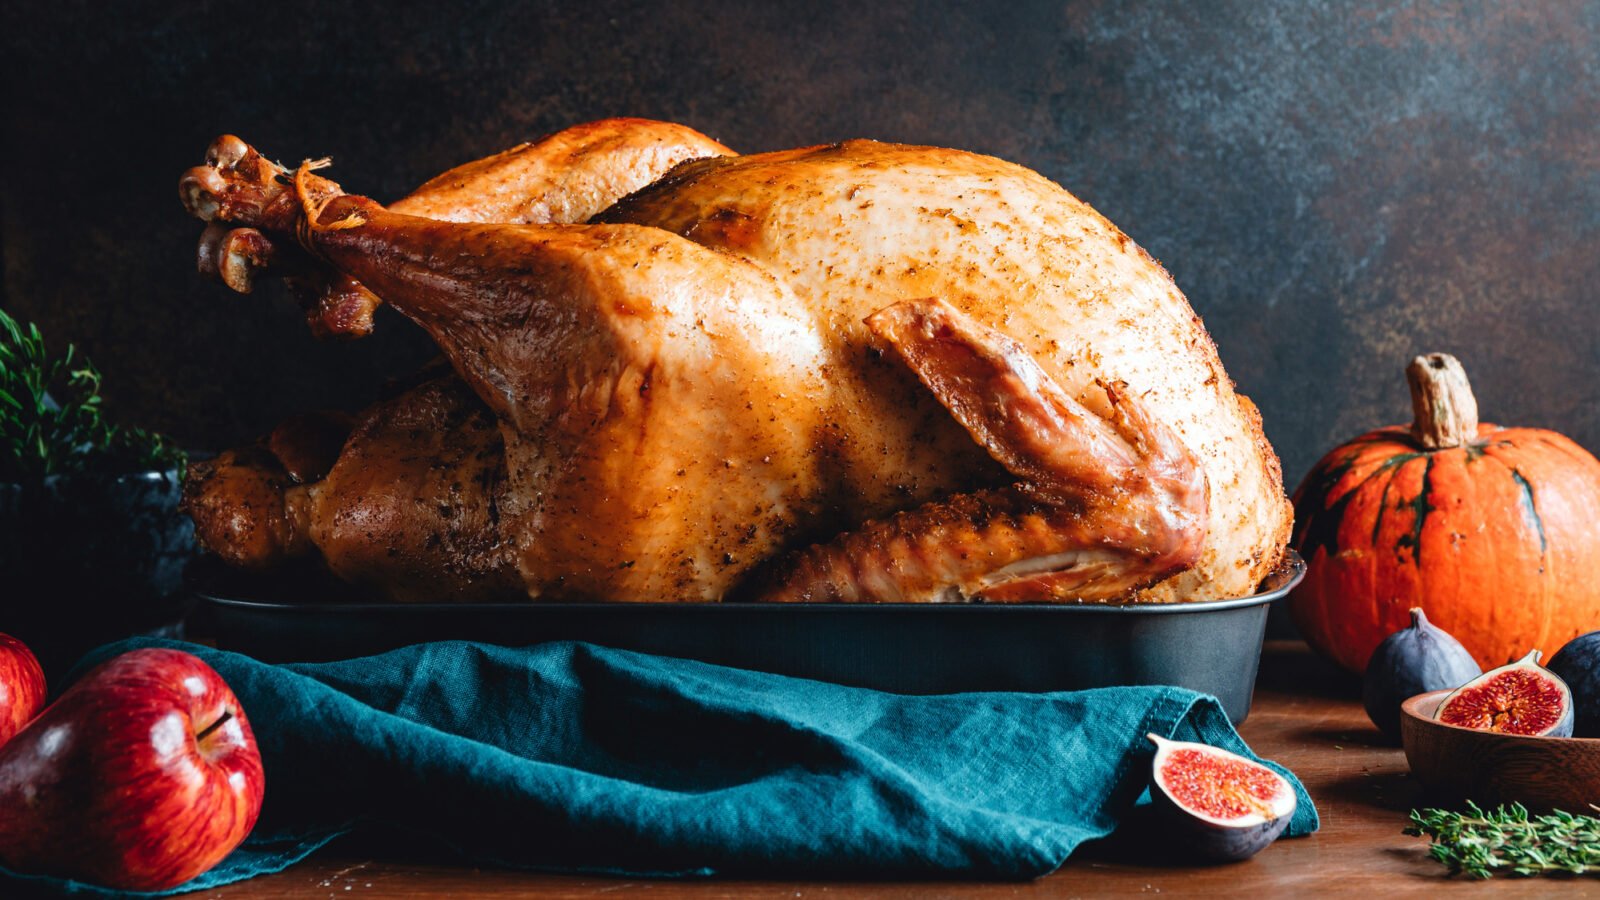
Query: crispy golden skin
(958, 378)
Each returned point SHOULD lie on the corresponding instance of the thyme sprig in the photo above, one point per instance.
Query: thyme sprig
(51, 415)
(1510, 841)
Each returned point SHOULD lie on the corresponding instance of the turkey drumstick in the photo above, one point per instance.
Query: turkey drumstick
(610, 355)
(564, 177)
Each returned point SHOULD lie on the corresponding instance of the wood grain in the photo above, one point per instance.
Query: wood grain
(1306, 715)
(1538, 772)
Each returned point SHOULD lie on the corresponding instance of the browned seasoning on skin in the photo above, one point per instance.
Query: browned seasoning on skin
(721, 313)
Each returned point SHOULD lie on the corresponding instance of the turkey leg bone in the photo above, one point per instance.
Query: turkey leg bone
(562, 178)
(609, 354)
(565, 177)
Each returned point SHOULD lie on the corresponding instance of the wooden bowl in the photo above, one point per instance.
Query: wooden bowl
(1541, 773)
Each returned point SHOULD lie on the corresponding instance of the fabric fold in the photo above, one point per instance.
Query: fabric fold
(572, 757)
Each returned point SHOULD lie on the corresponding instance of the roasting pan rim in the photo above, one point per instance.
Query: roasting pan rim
(1209, 646)
(1290, 572)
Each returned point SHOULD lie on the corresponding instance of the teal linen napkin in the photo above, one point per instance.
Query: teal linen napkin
(570, 757)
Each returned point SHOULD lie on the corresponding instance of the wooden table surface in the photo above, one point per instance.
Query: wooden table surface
(1306, 715)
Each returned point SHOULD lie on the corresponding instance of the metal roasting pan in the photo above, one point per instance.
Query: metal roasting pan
(1213, 647)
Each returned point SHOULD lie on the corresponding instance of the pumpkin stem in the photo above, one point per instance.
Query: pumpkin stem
(1446, 413)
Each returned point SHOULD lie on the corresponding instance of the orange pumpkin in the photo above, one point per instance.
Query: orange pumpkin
(1495, 532)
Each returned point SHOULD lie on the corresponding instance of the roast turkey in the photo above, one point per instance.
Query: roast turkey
(859, 372)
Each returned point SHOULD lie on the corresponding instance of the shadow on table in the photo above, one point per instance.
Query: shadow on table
(1395, 792)
(1422, 867)
(1367, 738)
(1142, 840)
(1291, 667)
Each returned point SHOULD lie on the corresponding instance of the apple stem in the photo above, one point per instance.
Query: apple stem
(214, 726)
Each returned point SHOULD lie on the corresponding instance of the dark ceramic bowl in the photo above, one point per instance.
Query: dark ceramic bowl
(92, 558)
(1213, 647)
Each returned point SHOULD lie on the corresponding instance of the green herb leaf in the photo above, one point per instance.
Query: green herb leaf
(50, 415)
(1510, 841)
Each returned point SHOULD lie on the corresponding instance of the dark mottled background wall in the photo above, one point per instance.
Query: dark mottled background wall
(1336, 185)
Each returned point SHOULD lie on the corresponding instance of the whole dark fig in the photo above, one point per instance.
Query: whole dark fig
(1409, 662)
(1522, 697)
(1221, 806)
(1578, 664)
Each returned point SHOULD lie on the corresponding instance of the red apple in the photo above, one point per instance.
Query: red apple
(21, 686)
(141, 776)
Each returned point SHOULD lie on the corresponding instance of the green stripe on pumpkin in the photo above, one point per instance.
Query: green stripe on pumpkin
(1420, 507)
(1316, 523)
(1532, 512)
(1393, 462)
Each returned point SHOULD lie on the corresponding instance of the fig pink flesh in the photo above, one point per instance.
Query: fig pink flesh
(1220, 787)
(1515, 701)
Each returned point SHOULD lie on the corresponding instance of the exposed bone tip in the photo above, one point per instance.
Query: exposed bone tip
(244, 253)
(234, 256)
(201, 189)
(209, 251)
(226, 151)
(237, 273)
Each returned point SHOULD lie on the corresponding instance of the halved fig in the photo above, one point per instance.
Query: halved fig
(1519, 698)
(1228, 807)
